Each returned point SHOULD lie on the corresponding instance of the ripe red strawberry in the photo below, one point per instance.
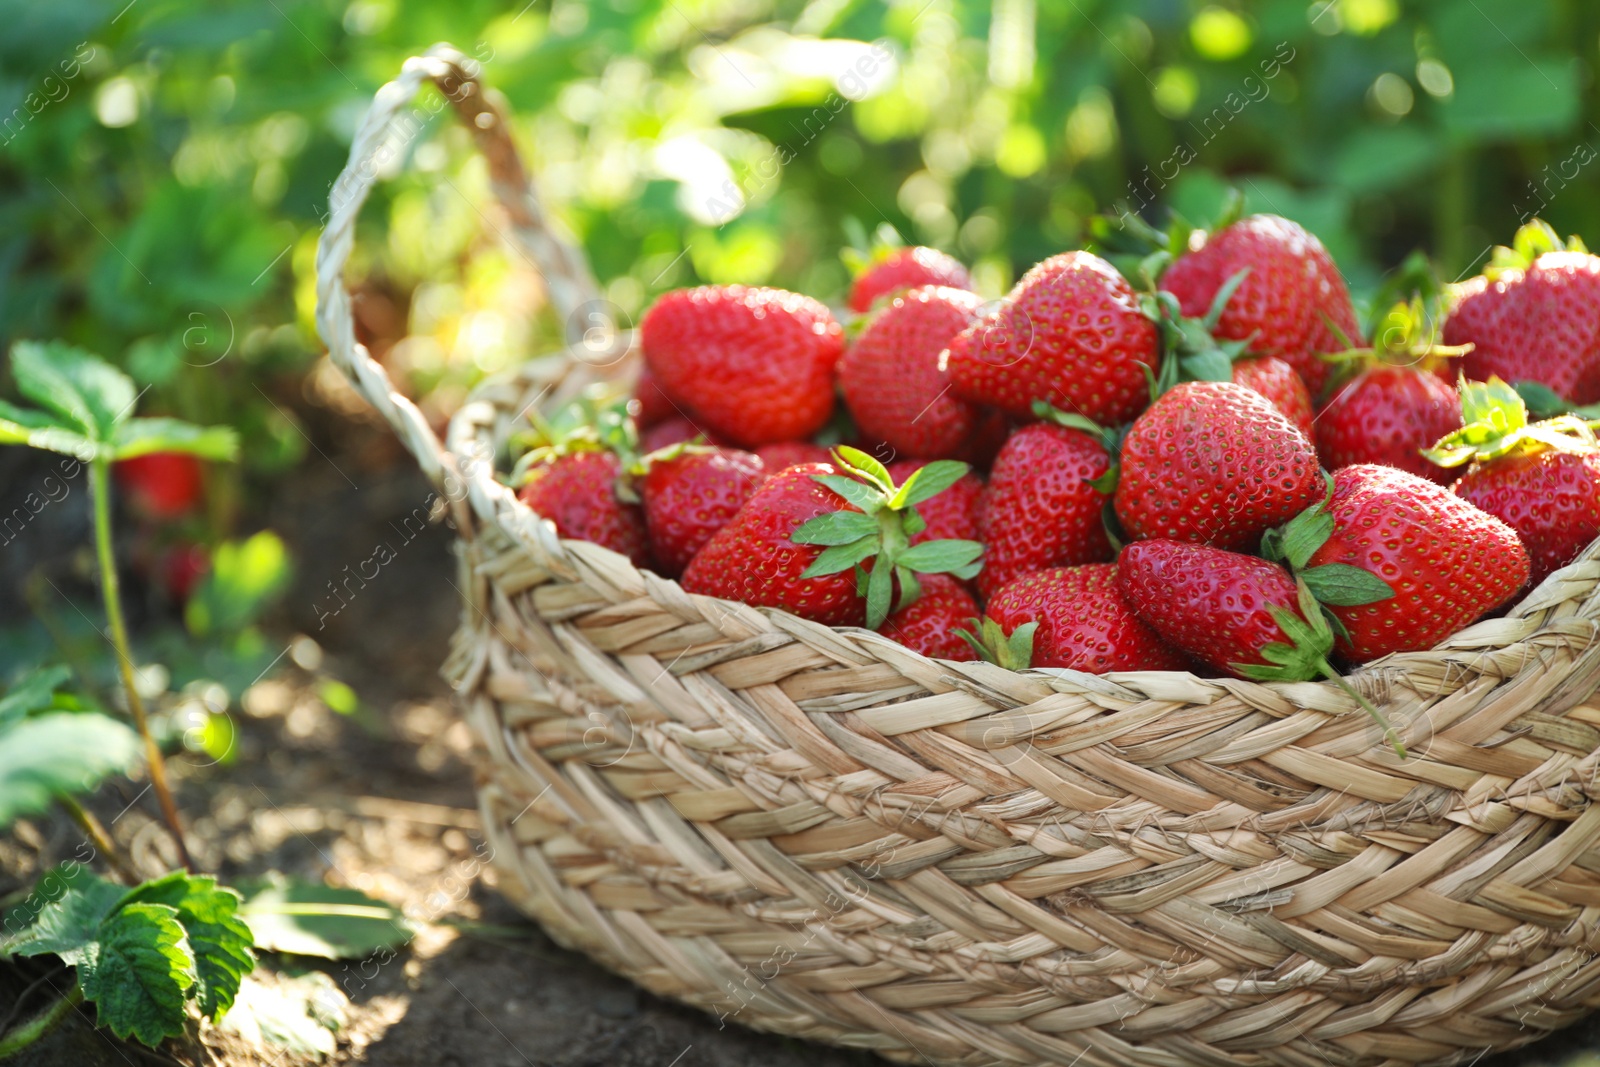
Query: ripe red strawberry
(161, 485)
(751, 559)
(828, 545)
(1388, 415)
(674, 431)
(1084, 623)
(893, 382)
(1214, 463)
(1447, 562)
(1531, 316)
(651, 405)
(931, 624)
(1281, 384)
(1071, 334)
(950, 515)
(577, 490)
(906, 268)
(784, 454)
(691, 494)
(1542, 480)
(755, 365)
(1041, 508)
(1213, 604)
(1293, 304)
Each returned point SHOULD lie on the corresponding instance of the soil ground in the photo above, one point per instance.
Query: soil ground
(383, 801)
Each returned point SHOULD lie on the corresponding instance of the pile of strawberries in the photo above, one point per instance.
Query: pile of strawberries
(1203, 468)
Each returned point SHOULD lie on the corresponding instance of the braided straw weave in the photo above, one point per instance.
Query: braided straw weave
(819, 832)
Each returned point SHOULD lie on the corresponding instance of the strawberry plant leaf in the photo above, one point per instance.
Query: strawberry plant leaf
(57, 754)
(842, 557)
(66, 924)
(857, 460)
(85, 392)
(19, 426)
(34, 693)
(138, 972)
(1219, 303)
(928, 482)
(835, 528)
(914, 522)
(138, 437)
(1345, 586)
(219, 939)
(859, 493)
(880, 589)
(1542, 401)
(1304, 534)
(949, 556)
(311, 919)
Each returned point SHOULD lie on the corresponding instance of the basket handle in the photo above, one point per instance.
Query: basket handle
(566, 274)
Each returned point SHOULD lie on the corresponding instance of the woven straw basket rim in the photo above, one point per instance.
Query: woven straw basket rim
(957, 863)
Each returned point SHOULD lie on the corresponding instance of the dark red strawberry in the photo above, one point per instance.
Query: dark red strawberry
(754, 365)
(1214, 463)
(161, 485)
(829, 545)
(932, 623)
(674, 431)
(577, 491)
(650, 405)
(1293, 303)
(1531, 316)
(1541, 479)
(906, 268)
(1447, 562)
(691, 494)
(1042, 508)
(1084, 623)
(1388, 415)
(1070, 334)
(182, 568)
(893, 381)
(951, 515)
(776, 457)
(1282, 385)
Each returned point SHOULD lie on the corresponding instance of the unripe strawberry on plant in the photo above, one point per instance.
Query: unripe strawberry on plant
(1292, 303)
(576, 488)
(1542, 479)
(754, 365)
(1531, 316)
(1448, 562)
(1083, 623)
(890, 270)
(161, 485)
(1070, 334)
(932, 623)
(894, 383)
(1045, 502)
(689, 493)
(830, 542)
(1213, 463)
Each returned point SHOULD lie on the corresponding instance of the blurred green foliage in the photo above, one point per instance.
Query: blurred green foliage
(164, 165)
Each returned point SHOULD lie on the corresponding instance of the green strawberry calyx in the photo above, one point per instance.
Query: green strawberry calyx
(1495, 423)
(1190, 349)
(866, 251)
(1532, 240)
(1305, 655)
(882, 529)
(1013, 651)
(1332, 584)
(1406, 335)
(591, 423)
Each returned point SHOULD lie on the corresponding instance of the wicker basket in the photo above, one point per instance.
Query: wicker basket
(818, 832)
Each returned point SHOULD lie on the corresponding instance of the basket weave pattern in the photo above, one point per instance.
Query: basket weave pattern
(822, 833)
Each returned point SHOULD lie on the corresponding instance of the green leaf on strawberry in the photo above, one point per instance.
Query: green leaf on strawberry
(881, 531)
(1012, 651)
(1495, 423)
(1331, 584)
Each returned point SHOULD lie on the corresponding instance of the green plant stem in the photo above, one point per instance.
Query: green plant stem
(110, 591)
(1388, 730)
(99, 838)
(40, 1025)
